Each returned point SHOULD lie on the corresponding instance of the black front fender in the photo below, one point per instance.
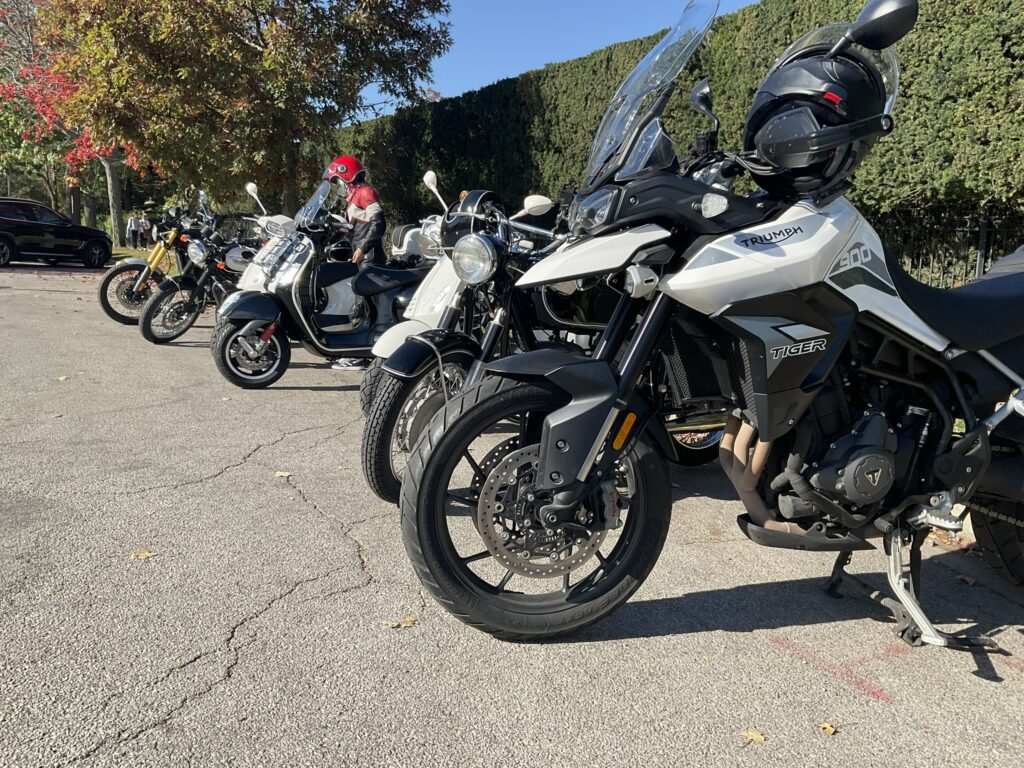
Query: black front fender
(181, 283)
(246, 306)
(573, 434)
(418, 353)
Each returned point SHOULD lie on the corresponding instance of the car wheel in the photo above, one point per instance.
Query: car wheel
(7, 251)
(96, 254)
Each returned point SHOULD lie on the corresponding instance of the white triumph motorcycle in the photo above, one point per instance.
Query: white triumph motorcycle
(865, 406)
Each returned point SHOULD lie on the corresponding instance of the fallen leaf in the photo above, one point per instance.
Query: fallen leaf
(141, 554)
(828, 728)
(405, 623)
(225, 399)
(282, 473)
(752, 736)
(62, 378)
(968, 580)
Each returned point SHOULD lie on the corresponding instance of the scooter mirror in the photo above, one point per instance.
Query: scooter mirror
(700, 98)
(430, 182)
(251, 189)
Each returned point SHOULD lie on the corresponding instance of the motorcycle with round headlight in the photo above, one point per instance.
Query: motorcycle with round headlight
(864, 407)
(126, 286)
(177, 302)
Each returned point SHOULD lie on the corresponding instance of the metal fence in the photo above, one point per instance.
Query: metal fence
(947, 248)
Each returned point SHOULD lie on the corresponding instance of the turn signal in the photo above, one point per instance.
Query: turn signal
(624, 430)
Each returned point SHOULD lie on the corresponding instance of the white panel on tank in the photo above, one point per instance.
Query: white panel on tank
(791, 251)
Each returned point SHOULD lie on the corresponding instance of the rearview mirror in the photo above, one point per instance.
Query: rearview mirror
(535, 205)
(251, 190)
(880, 24)
(430, 182)
(700, 98)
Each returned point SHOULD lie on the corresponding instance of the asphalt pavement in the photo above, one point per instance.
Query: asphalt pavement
(196, 575)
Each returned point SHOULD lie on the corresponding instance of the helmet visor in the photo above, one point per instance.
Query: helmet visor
(884, 61)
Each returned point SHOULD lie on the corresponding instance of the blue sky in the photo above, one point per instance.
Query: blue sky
(494, 39)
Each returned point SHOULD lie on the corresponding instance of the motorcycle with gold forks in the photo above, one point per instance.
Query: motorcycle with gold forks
(865, 407)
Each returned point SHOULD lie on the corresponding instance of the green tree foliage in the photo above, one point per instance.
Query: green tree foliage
(216, 92)
(959, 139)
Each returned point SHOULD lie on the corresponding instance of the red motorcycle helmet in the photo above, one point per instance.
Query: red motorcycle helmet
(346, 168)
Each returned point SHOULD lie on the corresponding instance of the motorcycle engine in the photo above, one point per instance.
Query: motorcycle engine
(859, 467)
(856, 470)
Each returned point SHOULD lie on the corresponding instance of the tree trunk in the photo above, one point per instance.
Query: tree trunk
(74, 200)
(112, 166)
(89, 203)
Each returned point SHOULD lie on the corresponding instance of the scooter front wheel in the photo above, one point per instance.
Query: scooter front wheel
(243, 359)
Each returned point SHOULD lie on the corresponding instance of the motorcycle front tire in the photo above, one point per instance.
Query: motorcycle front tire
(114, 312)
(368, 386)
(150, 309)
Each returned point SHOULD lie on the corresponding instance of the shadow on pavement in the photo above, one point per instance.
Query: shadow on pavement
(778, 605)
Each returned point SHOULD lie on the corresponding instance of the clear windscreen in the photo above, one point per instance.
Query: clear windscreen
(884, 61)
(634, 99)
(308, 212)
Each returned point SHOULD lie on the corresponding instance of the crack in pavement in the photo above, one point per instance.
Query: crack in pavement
(233, 646)
(197, 481)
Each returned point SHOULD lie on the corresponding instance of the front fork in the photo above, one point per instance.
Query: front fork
(151, 264)
(626, 415)
(255, 350)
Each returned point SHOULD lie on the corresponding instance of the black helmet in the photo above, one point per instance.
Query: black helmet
(826, 101)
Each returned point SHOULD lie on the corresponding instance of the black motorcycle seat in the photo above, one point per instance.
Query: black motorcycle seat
(374, 279)
(331, 272)
(980, 315)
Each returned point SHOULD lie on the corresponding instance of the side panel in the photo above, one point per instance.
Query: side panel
(785, 347)
(592, 256)
(788, 253)
(860, 272)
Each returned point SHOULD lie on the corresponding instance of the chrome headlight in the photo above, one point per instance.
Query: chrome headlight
(274, 228)
(197, 253)
(593, 210)
(475, 258)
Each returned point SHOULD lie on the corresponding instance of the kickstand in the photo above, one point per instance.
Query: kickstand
(912, 624)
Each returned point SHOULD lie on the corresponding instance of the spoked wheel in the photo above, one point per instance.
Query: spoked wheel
(248, 360)
(168, 314)
(118, 297)
(696, 440)
(401, 410)
(482, 543)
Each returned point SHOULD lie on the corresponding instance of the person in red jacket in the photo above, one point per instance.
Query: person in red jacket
(366, 215)
(364, 212)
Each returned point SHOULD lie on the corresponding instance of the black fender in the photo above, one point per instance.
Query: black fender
(245, 306)
(419, 353)
(579, 425)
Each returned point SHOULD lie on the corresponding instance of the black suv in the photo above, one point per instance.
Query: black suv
(30, 230)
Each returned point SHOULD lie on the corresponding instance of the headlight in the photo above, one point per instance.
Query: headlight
(475, 259)
(593, 210)
(197, 253)
(274, 228)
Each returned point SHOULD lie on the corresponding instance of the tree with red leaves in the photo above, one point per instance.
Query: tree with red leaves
(32, 91)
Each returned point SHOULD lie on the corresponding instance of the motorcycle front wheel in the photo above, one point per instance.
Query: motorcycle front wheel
(368, 386)
(117, 295)
(401, 410)
(168, 314)
(231, 353)
(471, 526)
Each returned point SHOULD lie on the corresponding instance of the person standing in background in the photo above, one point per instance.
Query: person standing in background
(132, 231)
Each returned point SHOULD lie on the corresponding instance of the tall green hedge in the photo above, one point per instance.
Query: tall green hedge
(960, 118)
